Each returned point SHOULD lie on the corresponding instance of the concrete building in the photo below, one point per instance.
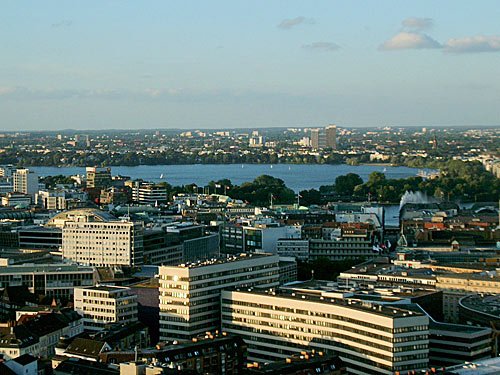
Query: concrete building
(343, 243)
(102, 305)
(26, 182)
(293, 247)
(51, 200)
(190, 293)
(96, 238)
(16, 199)
(57, 280)
(369, 338)
(98, 178)
(153, 194)
(331, 137)
(38, 237)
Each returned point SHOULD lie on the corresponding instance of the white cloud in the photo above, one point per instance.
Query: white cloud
(473, 44)
(410, 40)
(321, 46)
(292, 22)
(418, 24)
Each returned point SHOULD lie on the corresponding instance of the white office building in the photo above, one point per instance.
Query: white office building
(102, 305)
(96, 238)
(369, 338)
(26, 182)
(190, 293)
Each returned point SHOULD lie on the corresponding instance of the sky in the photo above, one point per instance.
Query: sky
(98, 64)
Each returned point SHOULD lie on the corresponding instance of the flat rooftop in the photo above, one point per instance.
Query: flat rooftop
(486, 304)
(44, 268)
(366, 306)
(223, 260)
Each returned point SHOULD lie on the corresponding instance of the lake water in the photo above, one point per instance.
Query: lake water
(296, 176)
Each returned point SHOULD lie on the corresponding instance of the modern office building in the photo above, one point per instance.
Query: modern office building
(190, 293)
(370, 338)
(343, 243)
(103, 304)
(38, 237)
(26, 182)
(293, 247)
(153, 194)
(57, 280)
(96, 238)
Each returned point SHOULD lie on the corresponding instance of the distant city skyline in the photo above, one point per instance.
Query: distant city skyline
(212, 65)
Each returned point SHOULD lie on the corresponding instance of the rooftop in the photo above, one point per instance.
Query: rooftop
(44, 268)
(223, 260)
(365, 306)
(486, 304)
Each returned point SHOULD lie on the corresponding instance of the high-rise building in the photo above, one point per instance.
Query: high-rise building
(98, 178)
(190, 293)
(26, 182)
(331, 137)
(317, 139)
(324, 138)
(104, 304)
(370, 338)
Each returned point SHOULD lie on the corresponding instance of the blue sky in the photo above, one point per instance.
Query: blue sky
(211, 64)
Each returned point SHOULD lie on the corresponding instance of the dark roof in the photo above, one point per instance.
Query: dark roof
(318, 364)
(83, 367)
(86, 347)
(117, 332)
(45, 324)
(17, 337)
(18, 295)
(25, 359)
(4, 370)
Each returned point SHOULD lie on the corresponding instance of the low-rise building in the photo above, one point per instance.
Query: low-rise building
(104, 304)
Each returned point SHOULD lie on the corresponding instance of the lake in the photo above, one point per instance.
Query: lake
(296, 176)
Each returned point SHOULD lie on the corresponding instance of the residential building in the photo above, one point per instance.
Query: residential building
(104, 304)
(214, 354)
(331, 137)
(190, 293)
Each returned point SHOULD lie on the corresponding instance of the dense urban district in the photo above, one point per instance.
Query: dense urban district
(101, 273)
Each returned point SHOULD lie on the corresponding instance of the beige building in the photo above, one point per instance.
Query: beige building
(26, 182)
(369, 338)
(101, 305)
(96, 238)
(190, 293)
